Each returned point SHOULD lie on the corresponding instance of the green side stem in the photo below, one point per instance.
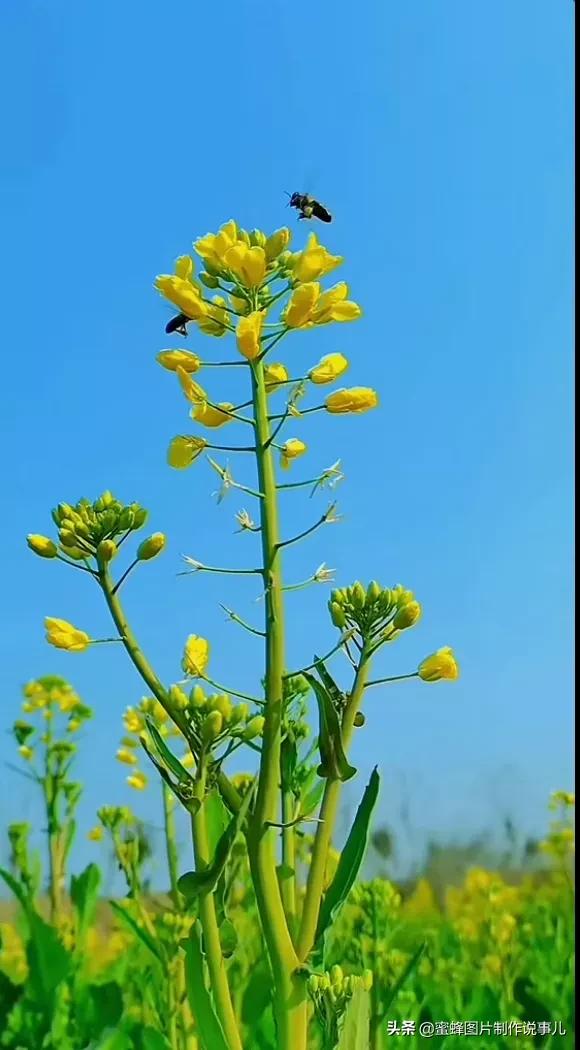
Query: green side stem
(290, 1003)
(325, 829)
(209, 924)
(170, 842)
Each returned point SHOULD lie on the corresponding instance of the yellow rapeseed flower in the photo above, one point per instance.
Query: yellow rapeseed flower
(192, 390)
(174, 359)
(184, 450)
(133, 720)
(184, 295)
(64, 635)
(440, 665)
(328, 369)
(248, 332)
(96, 833)
(291, 449)
(137, 780)
(357, 399)
(26, 752)
(314, 261)
(248, 264)
(276, 243)
(213, 246)
(195, 656)
(334, 306)
(299, 311)
(213, 415)
(274, 375)
(216, 321)
(184, 267)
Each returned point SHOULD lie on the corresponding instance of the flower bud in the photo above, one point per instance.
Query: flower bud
(374, 591)
(197, 698)
(407, 616)
(254, 728)
(358, 595)
(140, 516)
(126, 519)
(223, 704)
(106, 551)
(324, 982)
(42, 545)
(258, 238)
(359, 720)
(239, 713)
(336, 975)
(178, 698)
(209, 280)
(211, 726)
(337, 615)
(313, 983)
(151, 547)
(367, 980)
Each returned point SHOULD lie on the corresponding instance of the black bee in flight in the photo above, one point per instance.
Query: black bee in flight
(177, 324)
(308, 207)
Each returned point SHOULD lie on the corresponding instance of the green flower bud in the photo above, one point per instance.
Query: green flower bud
(126, 519)
(221, 703)
(324, 982)
(106, 550)
(75, 553)
(197, 698)
(254, 728)
(359, 720)
(313, 983)
(336, 975)
(358, 595)
(407, 615)
(337, 615)
(140, 516)
(42, 545)
(178, 698)
(151, 547)
(367, 980)
(257, 237)
(209, 280)
(239, 713)
(374, 591)
(67, 538)
(211, 727)
(64, 510)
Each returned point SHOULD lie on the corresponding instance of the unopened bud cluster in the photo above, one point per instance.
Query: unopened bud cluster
(90, 530)
(215, 717)
(377, 613)
(333, 988)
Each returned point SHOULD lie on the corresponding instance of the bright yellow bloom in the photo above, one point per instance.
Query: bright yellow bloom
(328, 369)
(192, 390)
(133, 720)
(42, 545)
(213, 415)
(277, 242)
(441, 664)
(492, 965)
(127, 757)
(63, 635)
(67, 701)
(216, 321)
(95, 834)
(248, 334)
(184, 450)
(195, 656)
(248, 264)
(356, 399)
(26, 752)
(315, 261)
(274, 375)
(174, 359)
(182, 294)
(299, 311)
(561, 798)
(184, 267)
(334, 306)
(137, 780)
(151, 547)
(291, 449)
(241, 306)
(213, 246)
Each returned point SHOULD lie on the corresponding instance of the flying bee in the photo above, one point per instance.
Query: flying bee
(308, 207)
(177, 324)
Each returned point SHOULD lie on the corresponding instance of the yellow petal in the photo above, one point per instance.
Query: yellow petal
(254, 266)
(192, 390)
(174, 359)
(248, 334)
(183, 450)
(213, 415)
(195, 656)
(302, 303)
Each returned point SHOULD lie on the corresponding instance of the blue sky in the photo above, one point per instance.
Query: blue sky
(439, 134)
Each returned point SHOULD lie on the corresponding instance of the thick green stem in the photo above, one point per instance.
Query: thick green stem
(328, 813)
(170, 842)
(211, 934)
(290, 992)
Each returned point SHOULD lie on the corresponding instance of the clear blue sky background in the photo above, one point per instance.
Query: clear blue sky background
(439, 133)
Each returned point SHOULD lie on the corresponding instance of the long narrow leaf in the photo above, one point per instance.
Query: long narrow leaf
(356, 1027)
(168, 758)
(195, 882)
(333, 761)
(351, 858)
(210, 1030)
(404, 976)
(142, 935)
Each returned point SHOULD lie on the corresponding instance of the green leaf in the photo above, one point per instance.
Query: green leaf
(312, 799)
(151, 1039)
(167, 757)
(328, 682)
(333, 761)
(141, 934)
(113, 1040)
(355, 1032)
(84, 889)
(350, 861)
(217, 818)
(195, 882)
(403, 977)
(228, 938)
(210, 1030)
